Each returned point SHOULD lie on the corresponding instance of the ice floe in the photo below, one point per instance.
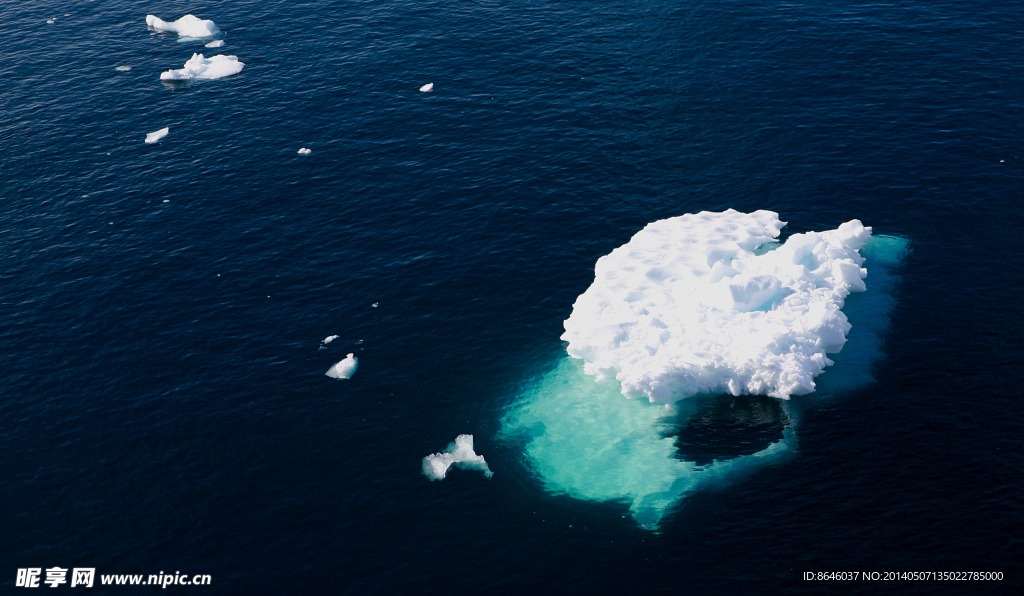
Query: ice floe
(427, 87)
(329, 339)
(123, 68)
(458, 453)
(153, 137)
(705, 303)
(690, 305)
(345, 368)
(186, 26)
(198, 67)
(304, 151)
(215, 44)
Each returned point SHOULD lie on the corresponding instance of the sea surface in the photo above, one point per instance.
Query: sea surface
(163, 403)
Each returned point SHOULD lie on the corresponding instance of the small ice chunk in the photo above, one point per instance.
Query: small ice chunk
(304, 151)
(460, 454)
(199, 67)
(186, 26)
(428, 87)
(344, 369)
(156, 136)
(329, 339)
(50, 21)
(123, 68)
(215, 44)
(375, 304)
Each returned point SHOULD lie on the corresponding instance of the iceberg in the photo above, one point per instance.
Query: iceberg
(199, 67)
(344, 369)
(153, 137)
(691, 305)
(690, 308)
(460, 454)
(186, 26)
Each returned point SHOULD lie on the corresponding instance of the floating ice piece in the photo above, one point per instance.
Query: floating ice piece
(50, 21)
(689, 306)
(375, 304)
(690, 303)
(460, 454)
(123, 68)
(329, 339)
(304, 151)
(215, 44)
(186, 26)
(156, 136)
(344, 369)
(428, 87)
(198, 67)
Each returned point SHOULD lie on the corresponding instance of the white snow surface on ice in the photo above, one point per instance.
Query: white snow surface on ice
(186, 26)
(344, 369)
(156, 136)
(199, 67)
(696, 304)
(460, 454)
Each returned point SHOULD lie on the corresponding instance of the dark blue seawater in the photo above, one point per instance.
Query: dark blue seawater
(164, 406)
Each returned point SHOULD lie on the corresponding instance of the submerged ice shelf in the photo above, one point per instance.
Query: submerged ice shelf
(584, 440)
(700, 304)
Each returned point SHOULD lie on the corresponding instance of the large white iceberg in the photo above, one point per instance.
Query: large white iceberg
(695, 304)
(186, 26)
(459, 454)
(703, 303)
(199, 67)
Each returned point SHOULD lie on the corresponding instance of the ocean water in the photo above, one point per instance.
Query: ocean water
(164, 406)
